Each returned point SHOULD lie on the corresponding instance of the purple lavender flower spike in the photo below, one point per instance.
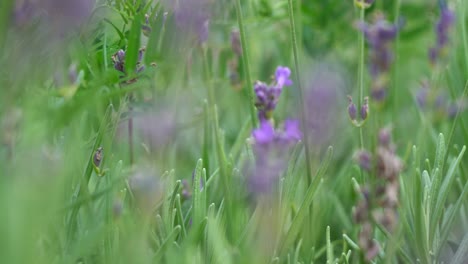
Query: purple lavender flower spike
(379, 36)
(445, 22)
(267, 96)
(282, 76)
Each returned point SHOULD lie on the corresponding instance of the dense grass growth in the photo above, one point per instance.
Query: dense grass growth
(244, 131)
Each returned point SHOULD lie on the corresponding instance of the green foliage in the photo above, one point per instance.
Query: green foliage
(183, 195)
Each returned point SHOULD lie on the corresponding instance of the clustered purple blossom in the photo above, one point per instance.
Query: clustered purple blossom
(437, 102)
(446, 21)
(379, 37)
(119, 61)
(272, 148)
(379, 202)
(267, 96)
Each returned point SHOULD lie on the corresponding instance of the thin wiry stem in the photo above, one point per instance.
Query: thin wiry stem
(245, 59)
(395, 71)
(361, 74)
(301, 92)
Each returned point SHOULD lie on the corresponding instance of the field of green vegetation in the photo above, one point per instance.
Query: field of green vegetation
(243, 131)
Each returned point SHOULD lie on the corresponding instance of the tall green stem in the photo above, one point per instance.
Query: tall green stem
(301, 92)
(361, 74)
(245, 59)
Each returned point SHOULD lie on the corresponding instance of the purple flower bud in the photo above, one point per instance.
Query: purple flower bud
(119, 61)
(384, 137)
(97, 158)
(365, 108)
(352, 111)
(282, 76)
(364, 160)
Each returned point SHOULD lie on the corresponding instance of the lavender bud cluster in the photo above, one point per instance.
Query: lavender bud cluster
(363, 112)
(379, 36)
(267, 96)
(379, 203)
(118, 59)
(442, 29)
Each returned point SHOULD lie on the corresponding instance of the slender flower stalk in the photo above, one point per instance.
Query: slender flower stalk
(245, 55)
(301, 92)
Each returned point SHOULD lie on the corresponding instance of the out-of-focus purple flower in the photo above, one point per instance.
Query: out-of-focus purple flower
(379, 37)
(324, 87)
(267, 96)
(292, 131)
(364, 159)
(282, 76)
(193, 16)
(422, 94)
(236, 45)
(153, 130)
(265, 134)
(147, 189)
(446, 20)
(186, 189)
(271, 148)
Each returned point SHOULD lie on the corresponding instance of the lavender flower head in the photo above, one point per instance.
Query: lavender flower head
(267, 96)
(379, 37)
(271, 148)
(119, 61)
(442, 29)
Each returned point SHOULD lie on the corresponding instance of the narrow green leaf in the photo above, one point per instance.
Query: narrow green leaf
(133, 46)
(440, 153)
(168, 241)
(447, 225)
(180, 215)
(330, 256)
(462, 252)
(444, 190)
(197, 201)
(350, 242)
(303, 210)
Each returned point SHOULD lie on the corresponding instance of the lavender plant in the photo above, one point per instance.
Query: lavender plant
(104, 159)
